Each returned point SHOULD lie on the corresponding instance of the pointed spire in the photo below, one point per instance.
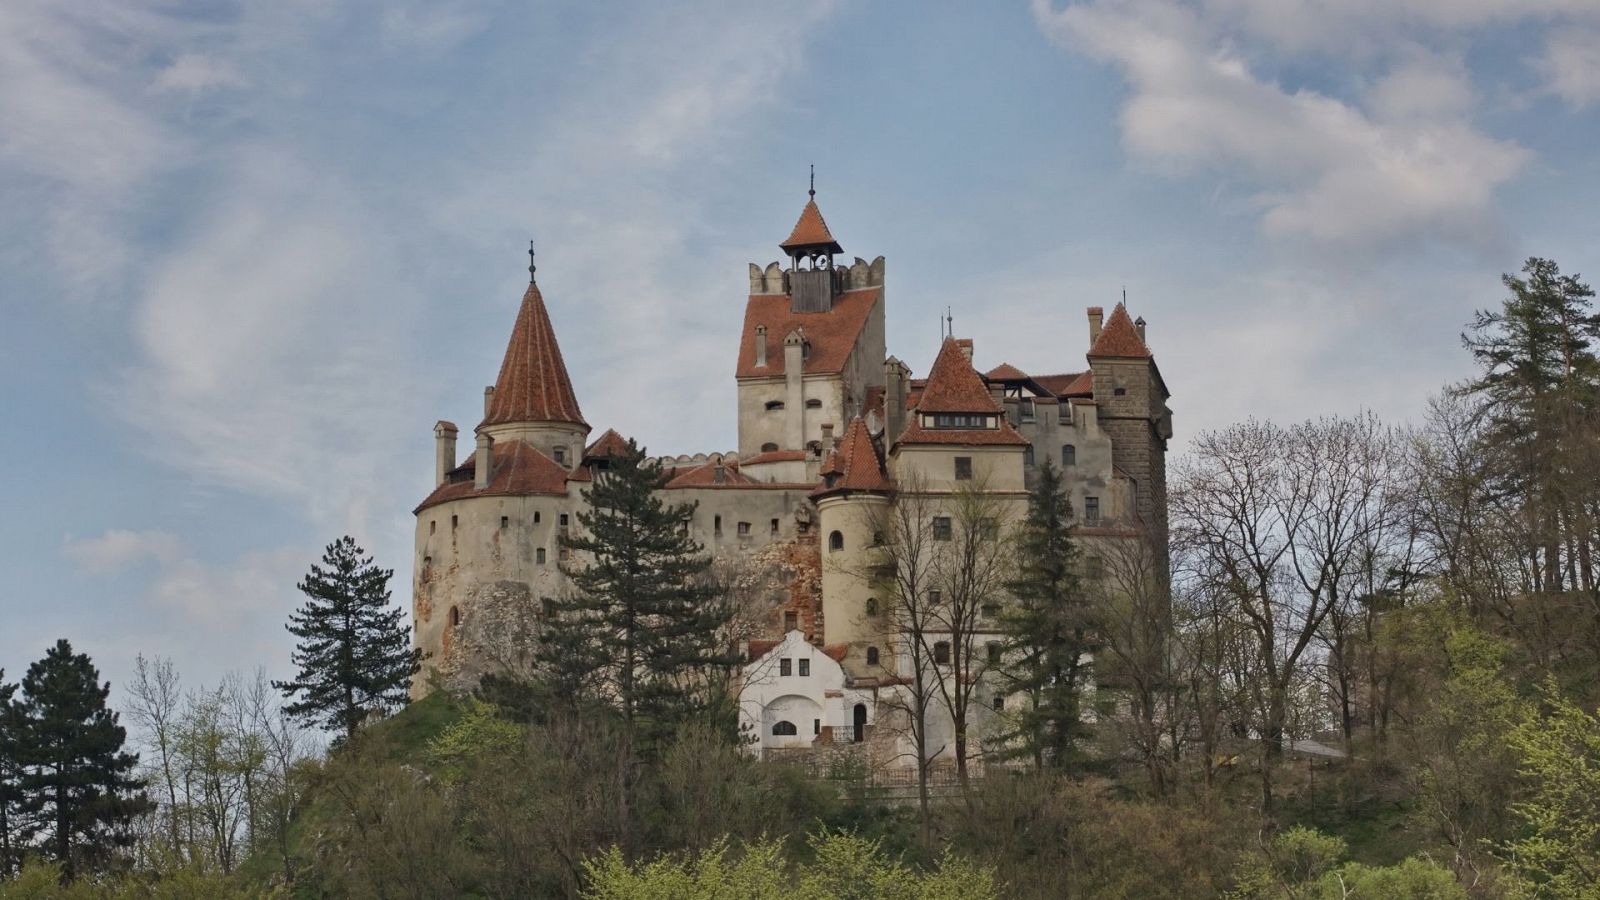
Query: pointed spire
(855, 465)
(953, 385)
(811, 233)
(1120, 337)
(533, 385)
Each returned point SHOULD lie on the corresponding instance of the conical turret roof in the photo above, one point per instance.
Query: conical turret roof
(855, 464)
(533, 385)
(1120, 337)
(811, 231)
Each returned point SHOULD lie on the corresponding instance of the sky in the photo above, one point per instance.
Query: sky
(251, 251)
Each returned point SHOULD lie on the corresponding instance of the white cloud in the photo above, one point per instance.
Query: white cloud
(198, 73)
(257, 585)
(1571, 64)
(118, 549)
(1408, 163)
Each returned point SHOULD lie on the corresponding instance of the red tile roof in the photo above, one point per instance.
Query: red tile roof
(855, 465)
(706, 475)
(832, 334)
(1071, 384)
(1006, 372)
(533, 385)
(516, 468)
(954, 386)
(772, 456)
(811, 230)
(608, 444)
(975, 437)
(1120, 337)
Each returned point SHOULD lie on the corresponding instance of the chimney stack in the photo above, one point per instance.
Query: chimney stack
(444, 450)
(1138, 325)
(966, 348)
(827, 436)
(481, 462)
(761, 346)
(1096, 317)
(488, 398)
(895, 376)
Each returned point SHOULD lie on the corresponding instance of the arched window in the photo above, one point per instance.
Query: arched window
(784, 729)
(836, 541)
(455, 616)
(774, 405)
(813, 403)
(872, 656)
(872, 606)
(1069, 455)
(769, 447)
(858, 722)
(941, 653)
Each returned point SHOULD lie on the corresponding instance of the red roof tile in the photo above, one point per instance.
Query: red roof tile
(811, 230)
(836, 652)
(608, 444)
(772, 456)
(516, 468)
(855, 465)
(1070, 384)
(975, 437)
(954, 386)
(706, 475)
(1006, 372)
(832, 334)
(1120, 337)
(533, 385)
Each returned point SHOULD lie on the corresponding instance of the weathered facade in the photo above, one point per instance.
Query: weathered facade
(837, 441)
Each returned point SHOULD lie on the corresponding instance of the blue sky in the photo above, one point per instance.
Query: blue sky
(250, 252)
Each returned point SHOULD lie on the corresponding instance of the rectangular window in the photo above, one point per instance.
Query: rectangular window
(1091, 510)
(941, 528)
(805, 668)
(549, 606)
(791, 621)
(1120, 392)
(505, 521)
(963, 468)
(1093, 567)
(994, 653)
(991, 610)
(774, 526)
(958, 420)
(716, 524)
(1027, 456)
(454, 521)
(816, 724)
(562, 520)
(536, 517)
(561, 455)
(1026, 409)
(785, 667)
(1069, 455)
(539, 556)
(433, 525)
(744, 529)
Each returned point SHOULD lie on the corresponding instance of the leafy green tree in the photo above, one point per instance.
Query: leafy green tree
(1557, 854)
(643, 630)
(1048, 629)
(78, 786)
(355, 655)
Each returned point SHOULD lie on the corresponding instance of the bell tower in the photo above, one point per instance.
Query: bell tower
(813, 283)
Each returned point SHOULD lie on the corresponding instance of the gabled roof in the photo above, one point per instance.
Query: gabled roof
(1120, 338)
(516, 468)
(1070, 384)
(533, 385)
(855, 464)
(832, 335)
(811, 231)
(706, 475)
(607, 445)
(954, 386)
(1004, 436)
(1006, 372)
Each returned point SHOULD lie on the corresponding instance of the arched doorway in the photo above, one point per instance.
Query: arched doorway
(860, 722)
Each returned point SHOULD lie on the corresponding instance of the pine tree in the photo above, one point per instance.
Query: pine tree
(1048, 631)
(77, 782)
(643, 629)
(355, 654)
(10, 776)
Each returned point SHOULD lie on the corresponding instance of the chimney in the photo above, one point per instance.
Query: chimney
(488, 398)
(894, 399)
(761, 346)
(966, 348)
(1096, 317)
(481, 462)
(827, 436)
(1138, 325)
(444, 450)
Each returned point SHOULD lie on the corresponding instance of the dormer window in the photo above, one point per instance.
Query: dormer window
(962, 420)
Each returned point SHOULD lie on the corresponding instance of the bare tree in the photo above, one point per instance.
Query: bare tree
(154, 708)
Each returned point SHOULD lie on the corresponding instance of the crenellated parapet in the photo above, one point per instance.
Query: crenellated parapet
(774, 279)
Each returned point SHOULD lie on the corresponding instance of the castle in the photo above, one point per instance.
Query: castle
(834, 436)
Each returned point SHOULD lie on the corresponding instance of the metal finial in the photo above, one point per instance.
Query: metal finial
(531, 267)
(813, 191)
(950, 320)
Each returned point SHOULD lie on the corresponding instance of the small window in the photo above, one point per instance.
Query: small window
(716, 524)
(1025, 409)
(455, 616)
(791, 621)
(505, 521)
(963, 468)
(872, 606)
(548, 605)
(991, 610)
(769, 447)
(999, 703)
(835, 541)
(433, 525)
(773, 406)
(877, 539)
(1027, 456)
(941, 528)
(786, 667)
(774, 526)
(562, 520)
(816, 726)
(813, 403)
(1119, 392)
(1069, 455)
(935, 597)
(561, 455)
(941, 653)
(539, 555)
(1091, 510)
(744, 529)
(426, 562)
(536, 517)
(1093, 567)
(454, 521)
(805, 668)
(994, 653)
(872, 656)
(784, 729)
